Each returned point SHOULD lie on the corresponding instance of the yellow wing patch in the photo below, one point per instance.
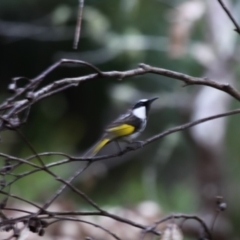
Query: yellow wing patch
(100, 145)
(121, 130)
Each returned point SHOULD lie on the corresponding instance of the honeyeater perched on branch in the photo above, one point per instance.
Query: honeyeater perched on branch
(126, 127)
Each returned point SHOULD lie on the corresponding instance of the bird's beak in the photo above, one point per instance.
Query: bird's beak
(152, 100)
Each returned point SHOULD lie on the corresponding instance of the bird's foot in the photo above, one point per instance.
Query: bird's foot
(135, 145)
(139, 143)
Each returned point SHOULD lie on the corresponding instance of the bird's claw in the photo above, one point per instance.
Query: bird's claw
(135, 145)
(140, 143)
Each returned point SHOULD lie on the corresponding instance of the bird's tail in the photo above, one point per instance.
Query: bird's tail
(97, 147)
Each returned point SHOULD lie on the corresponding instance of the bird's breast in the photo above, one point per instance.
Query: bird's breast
(138, 131)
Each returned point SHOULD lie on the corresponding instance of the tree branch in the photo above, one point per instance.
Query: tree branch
(237, 27)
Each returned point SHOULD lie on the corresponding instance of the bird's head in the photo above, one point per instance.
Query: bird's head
(142, 107)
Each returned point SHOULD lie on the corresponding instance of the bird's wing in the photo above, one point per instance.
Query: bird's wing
(121, 127)
(124, 125)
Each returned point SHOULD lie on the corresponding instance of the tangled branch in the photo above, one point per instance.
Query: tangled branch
(21, 101)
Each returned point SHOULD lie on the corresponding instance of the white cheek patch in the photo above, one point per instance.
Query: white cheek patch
(140, 112)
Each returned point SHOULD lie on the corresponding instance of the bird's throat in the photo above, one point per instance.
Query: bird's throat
(140, 112)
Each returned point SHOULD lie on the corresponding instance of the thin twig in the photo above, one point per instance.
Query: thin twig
(19, 198)
(237, 27)
(78, 25)
(87, 222)
(65, 184)
(186, 217)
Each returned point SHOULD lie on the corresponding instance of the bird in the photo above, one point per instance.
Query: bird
(126, 127)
